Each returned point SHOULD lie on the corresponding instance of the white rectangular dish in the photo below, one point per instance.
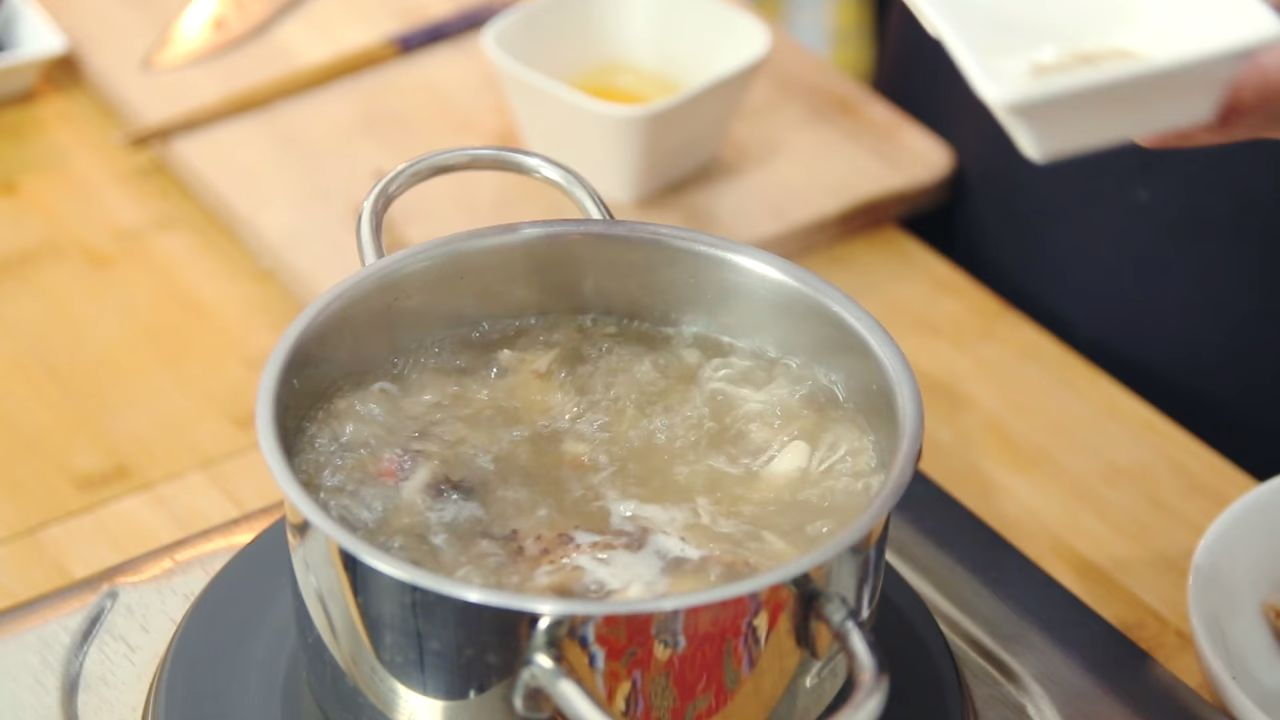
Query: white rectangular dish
(1069, 77)
(29, 40)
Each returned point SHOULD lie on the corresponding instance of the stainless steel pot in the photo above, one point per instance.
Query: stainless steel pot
(388, 639)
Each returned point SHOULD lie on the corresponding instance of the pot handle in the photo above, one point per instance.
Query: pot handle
(543, 687)
(870, 683)
(425, 167)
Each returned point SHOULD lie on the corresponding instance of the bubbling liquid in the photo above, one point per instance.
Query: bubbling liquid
(591, 457)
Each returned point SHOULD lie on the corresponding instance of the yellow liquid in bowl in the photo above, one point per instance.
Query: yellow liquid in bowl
(626, 84)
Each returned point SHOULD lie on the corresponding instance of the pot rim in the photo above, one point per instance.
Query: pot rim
(898, 471)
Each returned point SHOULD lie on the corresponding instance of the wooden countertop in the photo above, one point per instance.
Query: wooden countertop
(134, 326)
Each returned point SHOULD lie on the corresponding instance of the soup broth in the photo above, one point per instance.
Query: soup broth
(591, 457)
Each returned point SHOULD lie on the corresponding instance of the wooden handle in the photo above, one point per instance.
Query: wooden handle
(269, 91)
(291, 83)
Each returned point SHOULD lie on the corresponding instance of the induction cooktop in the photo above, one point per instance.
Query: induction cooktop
(968, 626)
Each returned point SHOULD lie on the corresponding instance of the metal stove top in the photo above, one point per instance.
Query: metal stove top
(1026, 647)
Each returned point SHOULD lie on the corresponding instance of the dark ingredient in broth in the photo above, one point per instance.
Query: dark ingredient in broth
(591, 457)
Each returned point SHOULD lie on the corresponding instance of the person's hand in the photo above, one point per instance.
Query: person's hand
(1250, 112)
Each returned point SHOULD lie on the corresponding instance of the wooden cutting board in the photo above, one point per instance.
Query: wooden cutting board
(810, 148)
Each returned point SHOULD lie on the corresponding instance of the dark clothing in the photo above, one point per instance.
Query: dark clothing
(1161, 266)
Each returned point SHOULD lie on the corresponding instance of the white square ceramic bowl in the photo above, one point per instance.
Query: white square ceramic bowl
(709, 47)
(29, 40)
(1157, 65)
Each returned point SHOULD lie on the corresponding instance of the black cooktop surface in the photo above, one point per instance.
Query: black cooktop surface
(235, 654)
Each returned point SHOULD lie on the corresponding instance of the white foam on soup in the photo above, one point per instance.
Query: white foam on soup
(591, 457)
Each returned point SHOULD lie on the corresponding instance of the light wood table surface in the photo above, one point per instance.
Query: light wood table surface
(132, 328)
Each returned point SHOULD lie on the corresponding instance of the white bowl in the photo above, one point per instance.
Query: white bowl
(1235, 569)
(29, 40)
(1066, 77)
(708, 47)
